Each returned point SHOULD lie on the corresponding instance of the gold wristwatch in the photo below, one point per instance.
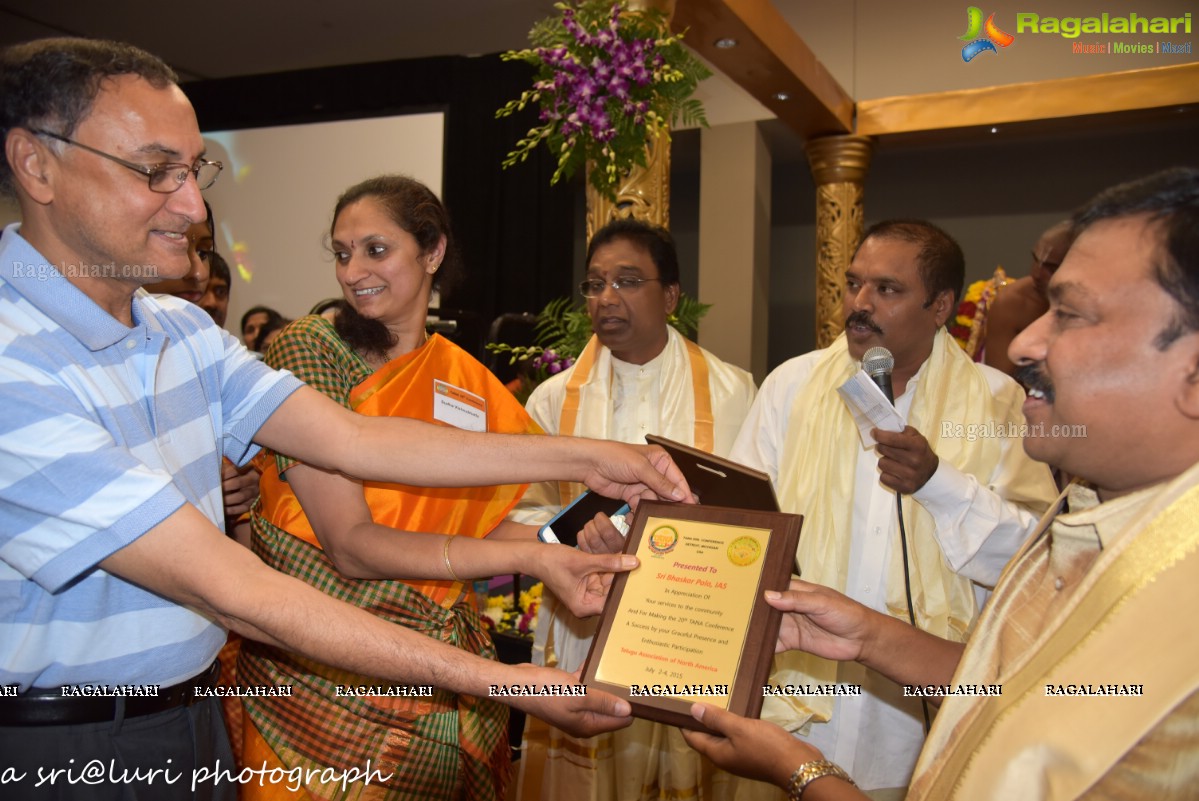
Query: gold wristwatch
(809, 772)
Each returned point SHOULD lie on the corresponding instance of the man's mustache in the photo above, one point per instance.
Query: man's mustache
(1032, 376)
(862, 318)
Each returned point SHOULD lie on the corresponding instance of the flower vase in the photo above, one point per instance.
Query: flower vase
(643, 193)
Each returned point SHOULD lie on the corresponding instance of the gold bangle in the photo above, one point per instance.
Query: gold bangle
(445, 554)
(809, 772)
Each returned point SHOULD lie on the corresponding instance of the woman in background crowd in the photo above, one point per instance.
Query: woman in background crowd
(270, 332)
(252, 323)
(328, 308)
(200, 247)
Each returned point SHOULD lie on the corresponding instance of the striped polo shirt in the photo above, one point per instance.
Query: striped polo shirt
(105, 431)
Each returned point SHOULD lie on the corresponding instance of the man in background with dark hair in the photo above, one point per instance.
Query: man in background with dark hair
(216, 296)
(253, 321)
(1086, 636)
(974, 493)
(118, 407)
(1020, 302)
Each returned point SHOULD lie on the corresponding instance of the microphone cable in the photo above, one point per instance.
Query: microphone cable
(907, 589)
(878, 363)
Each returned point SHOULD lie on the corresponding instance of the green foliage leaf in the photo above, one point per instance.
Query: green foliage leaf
(687, 315)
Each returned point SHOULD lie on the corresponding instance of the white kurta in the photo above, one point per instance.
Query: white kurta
(877, 736)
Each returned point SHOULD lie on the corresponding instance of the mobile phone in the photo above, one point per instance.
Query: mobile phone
(567, 524)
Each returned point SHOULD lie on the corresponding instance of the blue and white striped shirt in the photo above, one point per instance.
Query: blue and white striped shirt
(105, 431)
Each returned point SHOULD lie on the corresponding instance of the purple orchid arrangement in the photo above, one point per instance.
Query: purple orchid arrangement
(551, 362)
(609, 80)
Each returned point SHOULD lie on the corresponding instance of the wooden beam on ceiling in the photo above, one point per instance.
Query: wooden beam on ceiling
(1133, 90)
(769, 58)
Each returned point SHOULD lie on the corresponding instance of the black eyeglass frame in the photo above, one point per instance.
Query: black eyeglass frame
(150, 173)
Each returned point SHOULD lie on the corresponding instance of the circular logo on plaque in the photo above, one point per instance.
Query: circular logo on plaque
(663, 539)
(744, 551)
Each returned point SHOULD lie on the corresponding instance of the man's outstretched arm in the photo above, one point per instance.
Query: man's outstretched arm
(825, 622)
(187, 559)
(314, 429)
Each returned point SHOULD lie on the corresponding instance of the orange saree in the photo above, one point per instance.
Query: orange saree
(446, 746)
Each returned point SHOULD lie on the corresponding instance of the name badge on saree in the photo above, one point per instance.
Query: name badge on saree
(456, 407)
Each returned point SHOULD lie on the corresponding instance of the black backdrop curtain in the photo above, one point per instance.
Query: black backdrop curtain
(516, 232)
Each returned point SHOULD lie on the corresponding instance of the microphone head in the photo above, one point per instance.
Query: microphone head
(878, 361)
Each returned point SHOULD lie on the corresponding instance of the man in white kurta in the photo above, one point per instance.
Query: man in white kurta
(637, 376)
(974, 494)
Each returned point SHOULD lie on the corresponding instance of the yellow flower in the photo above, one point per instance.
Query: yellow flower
(975, 290)
(499, 602)
(532, 596)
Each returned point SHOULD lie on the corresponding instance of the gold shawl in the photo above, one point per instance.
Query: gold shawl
(1119, 626)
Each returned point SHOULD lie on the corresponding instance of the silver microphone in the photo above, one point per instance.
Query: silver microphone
(878, 363)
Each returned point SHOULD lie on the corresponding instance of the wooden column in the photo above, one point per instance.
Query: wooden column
(839, 165)
(644, 194)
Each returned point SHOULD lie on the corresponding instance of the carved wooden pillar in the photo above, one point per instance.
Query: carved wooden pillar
(643, 194)
(839, 165)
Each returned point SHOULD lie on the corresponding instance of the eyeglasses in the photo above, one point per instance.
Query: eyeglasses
(594, 287)
(163, 178)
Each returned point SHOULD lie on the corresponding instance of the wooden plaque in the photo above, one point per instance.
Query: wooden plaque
(691, 623)
(719, 482)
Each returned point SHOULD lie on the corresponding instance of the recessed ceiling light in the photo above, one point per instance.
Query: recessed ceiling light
(726, 43)
(782, 96)
(994, 130)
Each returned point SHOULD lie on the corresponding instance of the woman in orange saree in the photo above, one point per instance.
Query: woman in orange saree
(340, 735)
